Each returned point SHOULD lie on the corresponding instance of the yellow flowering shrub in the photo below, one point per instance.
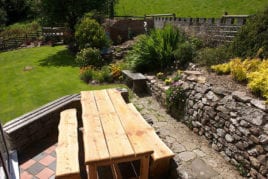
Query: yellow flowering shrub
(222, 68)
(238, 70)
(254, 71)
(115, 71)
(258, 80)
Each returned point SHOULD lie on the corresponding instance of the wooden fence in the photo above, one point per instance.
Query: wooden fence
(47, 34)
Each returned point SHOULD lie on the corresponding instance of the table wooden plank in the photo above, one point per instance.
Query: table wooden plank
(94, 140)
(134, 129)
(139, 131)
(67, 148)
(116, 138)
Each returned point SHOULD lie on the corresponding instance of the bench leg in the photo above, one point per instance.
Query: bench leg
(144, 167)
(92, 172)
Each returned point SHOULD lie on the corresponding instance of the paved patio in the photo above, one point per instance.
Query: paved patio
(194, 156)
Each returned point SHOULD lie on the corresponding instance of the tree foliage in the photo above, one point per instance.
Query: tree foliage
(68, 12)
(252, 38)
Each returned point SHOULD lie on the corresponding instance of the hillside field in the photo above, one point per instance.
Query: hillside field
(189, 8)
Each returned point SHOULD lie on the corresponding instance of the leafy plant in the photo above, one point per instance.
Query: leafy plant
(175, 95)
(212, 56)
(184, 53)
(86, 74)
(89, 56)
(115, 71)
(155, 51)
(221, 68)
(168, 81)
(89, 33)
(252, 37)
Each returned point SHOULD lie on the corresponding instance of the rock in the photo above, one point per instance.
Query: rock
(200, 153)
(259, 104)
(201, 79)
(187, 156)
(263, 139)
(262, 159)
(265, 128)
(254, 162)
(201, 170)
(234, 121)
(232, 128)
(178, 148)
(229, 138)
(212, 96)
(187, 72)
(233, 114)
(220, 91)
(254, 139)
(27, 68)
(220, 132)
(255, 131)
(244, 131)
(241, 96)
(253, 116)
(222, 109)
(244, 123)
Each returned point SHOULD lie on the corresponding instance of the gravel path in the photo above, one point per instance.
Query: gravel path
(194, 156)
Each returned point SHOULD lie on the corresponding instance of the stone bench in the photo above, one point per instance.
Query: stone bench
(136, 81)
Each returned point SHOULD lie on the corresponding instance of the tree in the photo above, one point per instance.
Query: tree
(3, 14)
(68, 12)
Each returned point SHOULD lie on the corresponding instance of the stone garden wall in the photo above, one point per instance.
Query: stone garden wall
(215, 30)
(234, 123)
(40, 124)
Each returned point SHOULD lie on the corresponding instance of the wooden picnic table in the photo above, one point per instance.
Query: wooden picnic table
(111, 134)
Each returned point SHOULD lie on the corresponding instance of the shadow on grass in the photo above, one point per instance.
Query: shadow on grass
(61, 58)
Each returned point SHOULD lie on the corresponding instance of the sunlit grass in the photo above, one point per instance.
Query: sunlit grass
(54, 75)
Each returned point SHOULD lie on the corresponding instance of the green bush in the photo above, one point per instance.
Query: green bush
(212, 56)
(20, 30)
(184, 53)
(252, 37)
(87, 74)
(89, 56)
(155, 51)
(90, 33)
(175, 96)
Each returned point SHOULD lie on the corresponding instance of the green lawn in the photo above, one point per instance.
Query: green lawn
(189, 8)
(54, 75)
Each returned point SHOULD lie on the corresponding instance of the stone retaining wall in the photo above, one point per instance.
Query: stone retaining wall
(234, 123)
(39, 124)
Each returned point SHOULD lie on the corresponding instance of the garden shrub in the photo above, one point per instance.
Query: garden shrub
(184, 53)
(115, 71)
(89, 56)
(89, 33)
(20, 30)
(258, 80)
(221, 68)
(86, 74)
(212, 56)
(254, 71)
(238, 70)
(156, 51)
(175, 95)
(252, 37)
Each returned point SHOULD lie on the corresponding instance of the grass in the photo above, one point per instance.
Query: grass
(189, 8)
(54, 75)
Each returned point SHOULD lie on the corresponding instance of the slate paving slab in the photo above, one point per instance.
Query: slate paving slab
(194, 156)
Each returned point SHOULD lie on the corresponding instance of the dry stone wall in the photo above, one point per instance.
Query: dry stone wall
(234, 123)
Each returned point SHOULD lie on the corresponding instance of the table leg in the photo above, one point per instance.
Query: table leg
(92, 172)
(144, 167)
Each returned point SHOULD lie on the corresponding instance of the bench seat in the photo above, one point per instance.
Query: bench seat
(67, 148)
(133, 121)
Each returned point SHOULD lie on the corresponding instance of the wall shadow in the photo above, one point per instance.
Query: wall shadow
(62, 58)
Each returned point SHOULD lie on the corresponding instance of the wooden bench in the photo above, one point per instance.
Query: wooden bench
(67, 148)
(117, 132)
(160, 159)
(136, 81)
